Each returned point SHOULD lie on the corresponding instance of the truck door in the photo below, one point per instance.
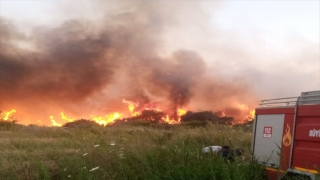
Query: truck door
(268, 139)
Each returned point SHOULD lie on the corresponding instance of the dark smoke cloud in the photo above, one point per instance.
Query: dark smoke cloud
(85, 66)
(186, 69)
(70, 65)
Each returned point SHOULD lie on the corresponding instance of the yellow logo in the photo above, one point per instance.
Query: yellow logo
(286, 140)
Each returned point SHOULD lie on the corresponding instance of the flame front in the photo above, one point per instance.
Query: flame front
(132, 107)
(135, 111)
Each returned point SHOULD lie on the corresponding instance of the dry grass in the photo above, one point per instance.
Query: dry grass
(121, 152)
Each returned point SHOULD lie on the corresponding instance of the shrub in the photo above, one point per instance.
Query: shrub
(81, 123)
(8, 124)
(206, 116)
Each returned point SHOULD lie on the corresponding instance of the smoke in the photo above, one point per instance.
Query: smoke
(86, 66)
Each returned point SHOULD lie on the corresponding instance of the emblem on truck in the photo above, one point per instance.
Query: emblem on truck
(286, 140)
(314, 133)
(267, 132)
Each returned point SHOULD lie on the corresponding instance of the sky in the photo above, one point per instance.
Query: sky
(275, 23)
(263, 49)
(275, 19)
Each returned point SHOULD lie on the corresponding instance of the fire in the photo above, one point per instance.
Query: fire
(252, 113)
(101, 120)
(108, 119)
(63, 117)
(169, 121)
(54, 123)
(112, 117)
(7, 114)
(135, 109)
(68, 119)
(132, 106)
(181, 112)
(248, 110)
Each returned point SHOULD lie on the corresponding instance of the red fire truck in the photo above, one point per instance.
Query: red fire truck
(286, 136)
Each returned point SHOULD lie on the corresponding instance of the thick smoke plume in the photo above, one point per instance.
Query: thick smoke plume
(85, 67)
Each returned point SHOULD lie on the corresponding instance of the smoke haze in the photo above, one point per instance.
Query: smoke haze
(132, 50)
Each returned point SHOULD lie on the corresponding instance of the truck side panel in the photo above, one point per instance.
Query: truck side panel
(306, 150)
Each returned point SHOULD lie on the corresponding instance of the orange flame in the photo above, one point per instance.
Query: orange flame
(131, 106)
(181, 112)
(252, 113)
(101, 120)
(249, 112)
(108, 119)
(170, 121)
(7, 114)
(65, 118)
(54, 123)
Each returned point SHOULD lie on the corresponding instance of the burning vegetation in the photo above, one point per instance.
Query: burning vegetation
(147, 114)
(83, 67)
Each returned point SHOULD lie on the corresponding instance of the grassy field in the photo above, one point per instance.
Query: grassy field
(123, 152)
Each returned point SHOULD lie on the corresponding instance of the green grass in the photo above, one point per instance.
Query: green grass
(124, 152)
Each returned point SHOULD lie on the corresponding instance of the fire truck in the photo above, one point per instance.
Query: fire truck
(286, 136)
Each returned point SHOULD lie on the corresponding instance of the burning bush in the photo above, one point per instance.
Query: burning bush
(206, 116)
(8, 122)
(81, 123)
(151, 116)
